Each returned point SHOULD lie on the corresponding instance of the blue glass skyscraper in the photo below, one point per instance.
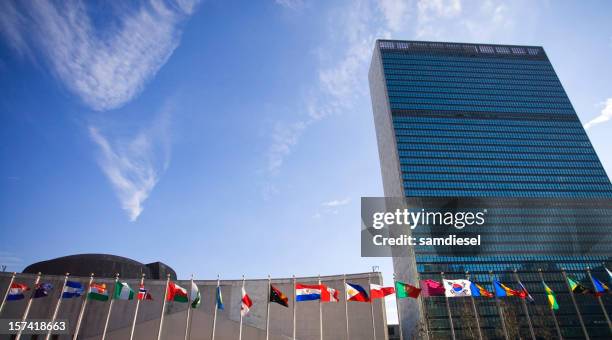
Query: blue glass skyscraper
(491, 126)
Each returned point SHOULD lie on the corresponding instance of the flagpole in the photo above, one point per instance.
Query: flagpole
(163, 311)
(110, 308)
(525, 309)
(240, 331)
(268, 309)
(448, 309)
(214, 325)
(346, 306)
(500, 309)
(294, 306)
(8, 289)
(57, 306)
(320, 311)
(467, 276)
(137, 305)
(599, 300)
(399, 316)
(372, 306)
(552, 311)
(571, 293)
(83, 306)
(188, 309)
(27, 310)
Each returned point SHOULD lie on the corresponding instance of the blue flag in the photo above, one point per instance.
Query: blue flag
(72, 289)
(219, 299)
(42, 290)
(600, 287)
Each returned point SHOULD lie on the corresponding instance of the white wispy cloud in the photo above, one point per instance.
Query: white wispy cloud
(291, 4)
(134, 164)
(430, 12)
(395, 13)
(336, 202)
(604, 116)
(104, 67)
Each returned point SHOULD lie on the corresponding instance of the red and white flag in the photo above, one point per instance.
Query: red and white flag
(328, 294)
(246, 303)
(378, 291)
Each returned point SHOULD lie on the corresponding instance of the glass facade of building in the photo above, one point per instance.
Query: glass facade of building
(491, 126)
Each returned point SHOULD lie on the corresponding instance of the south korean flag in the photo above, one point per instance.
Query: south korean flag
(457, 288)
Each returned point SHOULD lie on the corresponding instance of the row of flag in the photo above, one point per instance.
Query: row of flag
(308, 292)
(73, 289)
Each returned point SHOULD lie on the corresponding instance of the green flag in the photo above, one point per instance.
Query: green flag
(552, 300)
(123, 291)
(577, 288)
(404, 290)
(195, 296)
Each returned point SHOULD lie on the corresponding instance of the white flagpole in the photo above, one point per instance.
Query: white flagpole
(212, 337)
(294, 306)
(137, 305)
(320, 311)
(268, 309)
(372, 307)
(163, 311)
(346, 306)
(82, 312)
(8, 289)
(188, 308)
(499, 308)
(399, 315)
(110, 308)
(467, 276)
(240, 332)
(27, 310)
(57, 305)
(571, 294)
(448, 309)
(525, 308)
(552, 311)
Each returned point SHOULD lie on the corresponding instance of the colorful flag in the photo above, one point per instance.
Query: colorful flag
(123, 291)
(307, 292)
(277, 296)
(98, 291)
(377, 291)
(195, 296)
(457, 288)
(600, 287)
(72, 289)
(329, 294)
(42, 290)
(404, 290)
(432, 288)
(176, 293)
(524, 294)
(355, 292)
(246, 303)
(552, 300)
(16, 291)
(502, 290)
(143, 294)
(478, 290)
(219, 299)
(578, 288)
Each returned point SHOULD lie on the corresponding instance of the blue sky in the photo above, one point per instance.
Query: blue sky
(231, 137)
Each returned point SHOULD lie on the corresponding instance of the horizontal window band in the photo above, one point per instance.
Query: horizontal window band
(408, 148)
(484, 115)
(539, 59)
(489, 135)
(548, 131)
(481, 103)
(537, 93)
